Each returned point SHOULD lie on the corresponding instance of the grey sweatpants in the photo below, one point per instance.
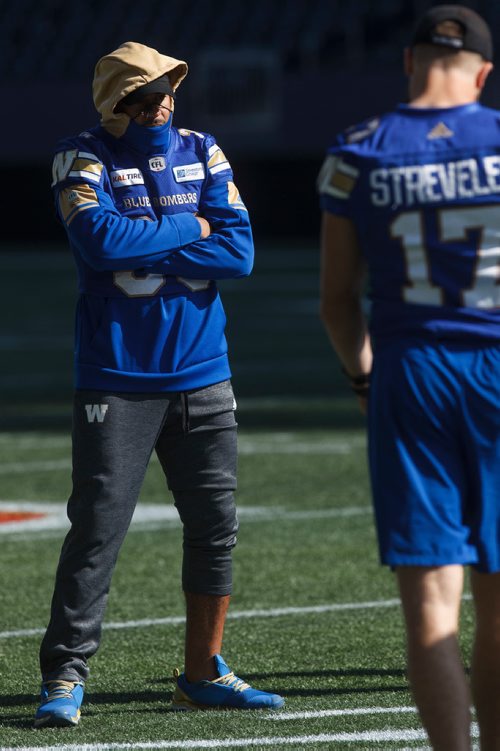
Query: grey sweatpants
(114, 435)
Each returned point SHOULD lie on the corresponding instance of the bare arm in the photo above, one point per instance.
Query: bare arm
(342, 276)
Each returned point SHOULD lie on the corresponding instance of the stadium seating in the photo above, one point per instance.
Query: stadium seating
(55, 40)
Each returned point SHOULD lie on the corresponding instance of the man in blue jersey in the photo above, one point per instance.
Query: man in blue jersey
(153, 219)
(413, 197)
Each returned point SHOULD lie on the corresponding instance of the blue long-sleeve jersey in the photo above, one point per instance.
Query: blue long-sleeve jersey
(149, 316)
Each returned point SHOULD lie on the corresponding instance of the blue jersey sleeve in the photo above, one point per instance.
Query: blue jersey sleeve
(106, 240)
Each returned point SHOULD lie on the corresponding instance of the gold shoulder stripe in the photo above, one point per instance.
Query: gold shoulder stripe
(217, 158)
(87, 165)
(75, 199)
(234, 198)
(342, 182)
(337, 178)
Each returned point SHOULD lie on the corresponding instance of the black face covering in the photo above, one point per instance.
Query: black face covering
(160, 85)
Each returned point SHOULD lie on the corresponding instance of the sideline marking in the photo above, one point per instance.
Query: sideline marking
(19, 516)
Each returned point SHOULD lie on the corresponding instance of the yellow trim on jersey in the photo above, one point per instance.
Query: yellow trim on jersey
(87, 165)
(234, 198)
(337, 178)
(217, 158)
(75, 199)
(342, 182)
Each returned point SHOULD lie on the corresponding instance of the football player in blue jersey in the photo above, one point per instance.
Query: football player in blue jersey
(413, 199)
(153, 218)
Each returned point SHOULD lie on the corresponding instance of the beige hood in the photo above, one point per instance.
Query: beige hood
(130, 66)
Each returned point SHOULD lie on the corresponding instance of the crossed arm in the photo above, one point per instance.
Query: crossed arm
(218, 245)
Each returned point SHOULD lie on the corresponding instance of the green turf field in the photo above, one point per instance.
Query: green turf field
(313, 615)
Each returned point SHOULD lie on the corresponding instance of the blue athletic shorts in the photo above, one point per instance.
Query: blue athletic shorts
(434, 454)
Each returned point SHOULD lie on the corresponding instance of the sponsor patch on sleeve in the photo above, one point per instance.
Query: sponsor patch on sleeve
(75, 199)
(234, 198)
(337, 178)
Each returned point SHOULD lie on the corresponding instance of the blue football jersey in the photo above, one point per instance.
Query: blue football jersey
(422, 187)
(149, 316)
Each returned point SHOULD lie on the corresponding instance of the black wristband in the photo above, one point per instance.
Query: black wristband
(359, 384)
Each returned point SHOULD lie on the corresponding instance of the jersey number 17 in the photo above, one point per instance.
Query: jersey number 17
(454, 225)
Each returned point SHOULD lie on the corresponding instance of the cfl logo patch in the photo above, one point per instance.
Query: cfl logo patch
(157, 164)
(96, 412)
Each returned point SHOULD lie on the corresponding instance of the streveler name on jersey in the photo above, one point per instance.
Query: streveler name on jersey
(433, 183)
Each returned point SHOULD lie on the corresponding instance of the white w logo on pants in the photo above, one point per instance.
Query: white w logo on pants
(96, 412)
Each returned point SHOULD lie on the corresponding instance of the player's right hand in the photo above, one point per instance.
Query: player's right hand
(204, 226)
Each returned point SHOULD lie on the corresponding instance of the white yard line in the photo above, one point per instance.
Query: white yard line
(250, 447)
(149, 517)
(323, 513)
(235, 615)
(373, 736)
(391, 736)
(320, 713)
(249, 444)
(246, 448)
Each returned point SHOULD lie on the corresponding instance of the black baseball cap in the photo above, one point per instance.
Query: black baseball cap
(474, 34)
(161, 85)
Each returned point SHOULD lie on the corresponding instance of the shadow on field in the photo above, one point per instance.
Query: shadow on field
(29, 702)
(17, 700)
(300, 676)
(264, 680)
(377, 672)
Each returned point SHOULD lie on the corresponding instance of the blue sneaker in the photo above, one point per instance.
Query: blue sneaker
(60, 704)
(226, 692)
